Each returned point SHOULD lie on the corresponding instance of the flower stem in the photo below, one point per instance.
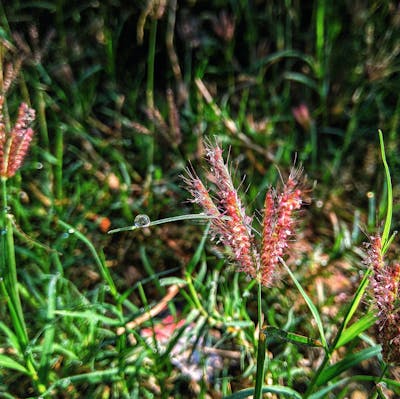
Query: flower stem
(261, 347)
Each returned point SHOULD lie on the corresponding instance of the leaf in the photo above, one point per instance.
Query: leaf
(9, 363)
(172, 281)
(348, 362)
(353, 306)
(47, 346)
(271, 331)
(310, 305)
(89, 316)
(386, 230)
(300, 78)
(246, 393)
(356, 329)
(199, 250)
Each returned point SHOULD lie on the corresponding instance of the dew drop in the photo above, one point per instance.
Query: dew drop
(39, 165)
(64, 236)
(65, 382)
(3, 232)
(71, 231)
(142, 221)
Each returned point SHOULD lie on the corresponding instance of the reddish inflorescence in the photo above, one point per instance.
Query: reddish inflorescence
(15, 143)
(231, 225)
(278, 224)
(385, 283)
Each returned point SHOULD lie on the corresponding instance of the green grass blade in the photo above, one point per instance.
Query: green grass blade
(88, 315)
(352, 308)
(172, 281)
(278, 389)
(11, 336)
(310, 305)
(357, 298)
(199, 251)
(271, 331)
(349, 361)
(356, 329)
(388, 222)
(9, 363)
(321, 394)
(99, 259)
(50, 330)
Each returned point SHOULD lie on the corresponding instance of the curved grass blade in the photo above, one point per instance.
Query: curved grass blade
(284, 391)
(386, 230)
(356, 329)
(310, 305)
(193, 216)
(349, 361)
(9, 363)
(353, 307)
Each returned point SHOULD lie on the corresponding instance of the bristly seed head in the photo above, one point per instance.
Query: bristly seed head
(385, 283)
(278, 224)
(15, 143)
(232, 226)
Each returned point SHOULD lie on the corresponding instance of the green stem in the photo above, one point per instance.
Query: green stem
(59, 150)
(9, 289)
(261, 348)
(150, 64)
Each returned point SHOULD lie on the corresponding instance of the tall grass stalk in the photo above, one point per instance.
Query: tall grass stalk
(9, 288)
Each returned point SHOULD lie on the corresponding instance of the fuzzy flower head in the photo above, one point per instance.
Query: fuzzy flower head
(233, 227)
(15, 143)
(385, 283)
(278, 223)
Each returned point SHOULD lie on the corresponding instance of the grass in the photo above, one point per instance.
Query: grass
(159, 312)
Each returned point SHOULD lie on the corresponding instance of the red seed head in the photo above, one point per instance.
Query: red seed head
(278, 223)
(14, 144)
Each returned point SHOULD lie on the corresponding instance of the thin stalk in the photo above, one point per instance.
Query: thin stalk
(261, 347)
(150, 64)
(150, 105)
(145, 221)
(58, 182)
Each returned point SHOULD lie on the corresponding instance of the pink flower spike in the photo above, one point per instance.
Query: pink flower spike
(14, 145)
(278, 224)
(231, 225)
(385, 284)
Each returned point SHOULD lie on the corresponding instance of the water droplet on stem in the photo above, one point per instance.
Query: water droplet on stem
(142, 221)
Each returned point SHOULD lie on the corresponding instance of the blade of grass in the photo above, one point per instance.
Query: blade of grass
(356, 329)
(284, 391)
(310, 305)
(388, 221)
(349, 361)
(99, 259)
(271, 331)
(9, 363)
(48, 341)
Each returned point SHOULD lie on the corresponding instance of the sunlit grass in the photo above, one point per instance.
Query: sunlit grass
(118, 121)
